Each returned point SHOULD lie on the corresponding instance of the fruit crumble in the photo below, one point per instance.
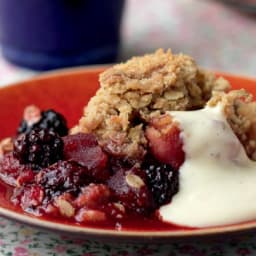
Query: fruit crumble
(132, 93)
(127, 157)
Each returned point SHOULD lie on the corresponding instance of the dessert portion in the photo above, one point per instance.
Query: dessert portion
(161, 140)
(132, 93)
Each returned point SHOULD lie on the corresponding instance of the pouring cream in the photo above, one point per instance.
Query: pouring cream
(217, 179)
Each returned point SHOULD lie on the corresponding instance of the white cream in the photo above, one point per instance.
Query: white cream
(217, 179)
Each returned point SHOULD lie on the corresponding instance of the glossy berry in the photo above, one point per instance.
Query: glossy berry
(38, 148)
(84, 149)
(50, 120)
(24, 127)
(163, 181)
(63, 176)
(129, 188)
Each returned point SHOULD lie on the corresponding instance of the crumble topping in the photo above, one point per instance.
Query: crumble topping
(240, 112)
(126, 155)
(132, 93)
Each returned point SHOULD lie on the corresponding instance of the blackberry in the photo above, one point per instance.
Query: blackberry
(50, 120)
(38, 148)
(163, 181)
(24, 127)
(63, 176)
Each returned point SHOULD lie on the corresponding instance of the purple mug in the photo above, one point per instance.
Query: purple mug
(48, 34)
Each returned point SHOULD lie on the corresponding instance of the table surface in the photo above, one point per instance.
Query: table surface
(219, 37)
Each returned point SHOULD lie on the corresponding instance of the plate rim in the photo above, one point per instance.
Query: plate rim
(126, 234)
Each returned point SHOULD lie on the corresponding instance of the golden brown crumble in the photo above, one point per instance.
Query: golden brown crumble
(240, 111)
(132, 93)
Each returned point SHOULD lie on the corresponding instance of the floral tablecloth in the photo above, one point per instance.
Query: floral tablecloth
(20, 240)
(218, 37)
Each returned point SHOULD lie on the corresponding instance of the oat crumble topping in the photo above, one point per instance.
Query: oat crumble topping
(132, 93)
(240, 111)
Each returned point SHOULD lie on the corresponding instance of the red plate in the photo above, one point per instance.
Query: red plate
(68, 92)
